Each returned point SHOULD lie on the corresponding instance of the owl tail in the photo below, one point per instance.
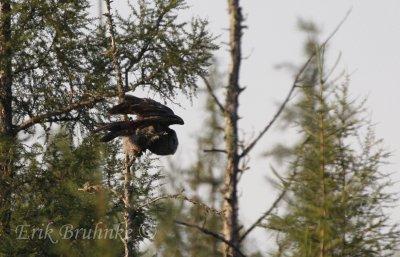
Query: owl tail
(116, 129)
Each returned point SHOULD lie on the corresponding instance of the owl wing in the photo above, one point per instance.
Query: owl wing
(127, 128)
(142, 107)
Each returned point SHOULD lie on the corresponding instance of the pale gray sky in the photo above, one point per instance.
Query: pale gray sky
(370, 45)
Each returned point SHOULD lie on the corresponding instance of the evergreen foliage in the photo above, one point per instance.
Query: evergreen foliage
(338, 193)
(49, 196)
(56, 69)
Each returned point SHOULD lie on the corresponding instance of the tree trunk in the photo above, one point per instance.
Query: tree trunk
(129, 243)
(6, 127)
(230, 205)
(323, 162)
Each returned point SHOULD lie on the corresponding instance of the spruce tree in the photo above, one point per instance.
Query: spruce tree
(338, 195)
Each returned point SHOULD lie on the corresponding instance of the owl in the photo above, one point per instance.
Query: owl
(149, 131)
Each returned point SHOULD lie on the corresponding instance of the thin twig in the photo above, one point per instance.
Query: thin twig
(264, 215)
(98, 188)
(211, 233)
(294, 85)
(182, 197)
(158, 198)
(213, 150)
(211, 92)
(202, 205)
(274, 205)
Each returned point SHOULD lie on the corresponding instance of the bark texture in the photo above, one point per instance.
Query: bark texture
(230, 205)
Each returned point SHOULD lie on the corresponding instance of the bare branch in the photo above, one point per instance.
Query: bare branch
(159, 198)
(211, 233)
(294, 85)
(213, 150)
(264, 215)
(63, 119)
(183, 197)
(211, 92)
(195, 202)
(287, 183)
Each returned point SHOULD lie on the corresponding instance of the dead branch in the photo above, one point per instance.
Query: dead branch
(264, 215)
(213, 150)
(291, 91)
(156, 199)
(213, 95)
(211, 233)
(183, 197)
(202, 205)
(287, 183)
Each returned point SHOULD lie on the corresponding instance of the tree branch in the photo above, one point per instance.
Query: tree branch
(143, 50)
(264, 215)
(211, 92)
(211, 233)
(182, 197)
(214, 151)
(294, 85)
(49, 116)
(285, 189)
(201, 204)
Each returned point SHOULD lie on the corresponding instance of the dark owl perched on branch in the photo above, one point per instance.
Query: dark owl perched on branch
(150, 130)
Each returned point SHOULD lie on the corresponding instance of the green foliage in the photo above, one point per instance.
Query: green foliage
(54, 59)
(338, 194)
(48, 196)
(162, 52)
(62, 74)
(60, 59)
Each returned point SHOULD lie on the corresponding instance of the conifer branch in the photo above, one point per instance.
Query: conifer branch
(47, 117)
(145, 48)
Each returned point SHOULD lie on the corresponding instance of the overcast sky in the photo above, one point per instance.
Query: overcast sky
(369, 42)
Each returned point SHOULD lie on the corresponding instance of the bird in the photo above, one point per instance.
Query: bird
(149, 131)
